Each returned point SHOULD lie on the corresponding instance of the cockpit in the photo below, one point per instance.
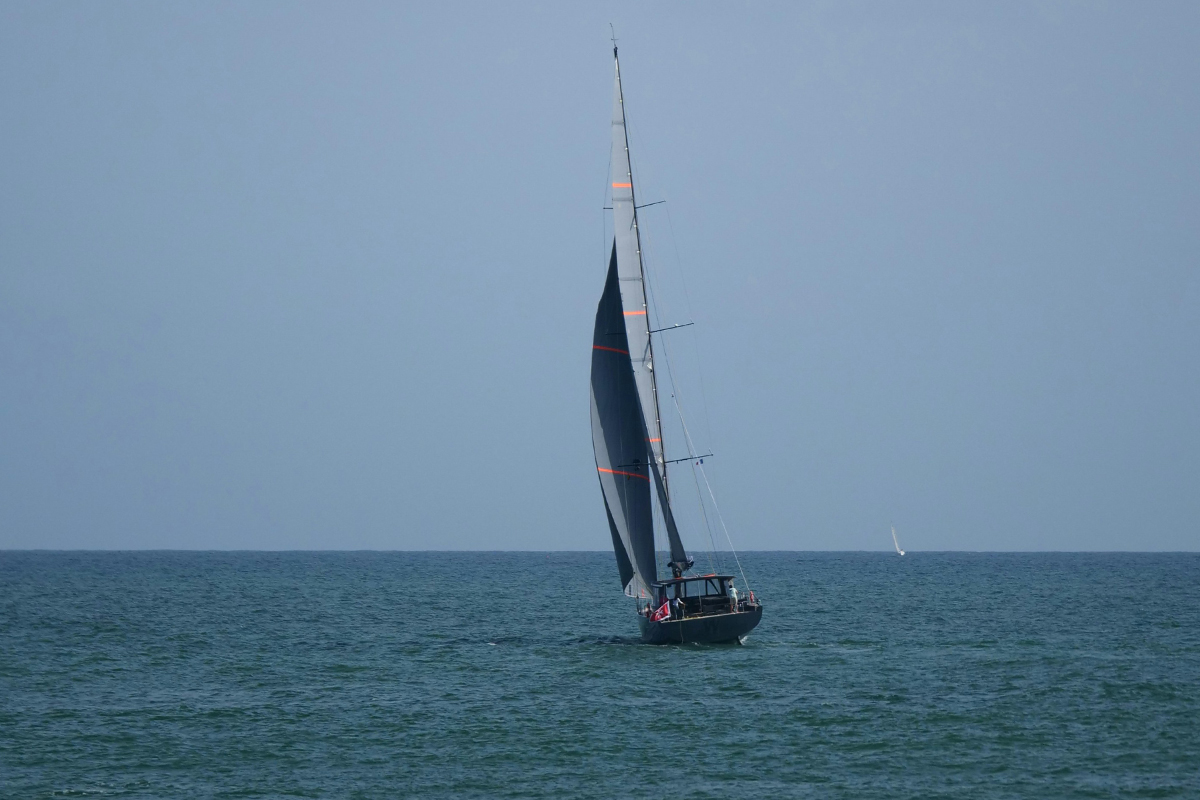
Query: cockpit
(695, 595)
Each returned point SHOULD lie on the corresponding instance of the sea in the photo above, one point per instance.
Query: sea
(498, 675)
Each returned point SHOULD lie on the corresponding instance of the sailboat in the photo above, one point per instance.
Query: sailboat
(628, 443)
(896, 541)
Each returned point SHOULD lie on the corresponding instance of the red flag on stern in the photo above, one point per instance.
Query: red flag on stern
(664, 612)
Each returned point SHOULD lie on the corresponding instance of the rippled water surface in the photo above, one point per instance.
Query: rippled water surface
(517, 675)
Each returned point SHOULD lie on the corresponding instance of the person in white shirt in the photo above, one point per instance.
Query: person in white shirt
(733, 597)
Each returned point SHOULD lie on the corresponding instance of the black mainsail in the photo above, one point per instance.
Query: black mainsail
(619, 440)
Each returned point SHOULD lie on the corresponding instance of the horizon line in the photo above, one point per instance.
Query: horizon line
(465, 550)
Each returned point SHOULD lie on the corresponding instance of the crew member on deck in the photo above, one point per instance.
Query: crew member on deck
(733, 598)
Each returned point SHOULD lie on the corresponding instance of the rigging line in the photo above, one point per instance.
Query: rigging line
(651, 288)
(676, 399)
(651, 285)
(721, 519)
(695, 346)
(687, 296)
(675, 391)
(655, 294)
(688, 441)
(646, 243)
(650, 253)
(687, 432)
(678, 262)
(657, 301)
(691, 445)
(603, 219)
(692, 448)
(637, 232)
(711, 553)
(665, 355)
(675, 385)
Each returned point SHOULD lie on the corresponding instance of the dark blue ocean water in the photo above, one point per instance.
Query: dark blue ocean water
(518, 675)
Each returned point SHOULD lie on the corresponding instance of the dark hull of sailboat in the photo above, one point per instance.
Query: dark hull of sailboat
(710, 629)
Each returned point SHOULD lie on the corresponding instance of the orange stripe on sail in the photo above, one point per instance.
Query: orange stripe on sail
(622, 185)
(609, 349)
(654, 440)
(626, 474)
(633, 313)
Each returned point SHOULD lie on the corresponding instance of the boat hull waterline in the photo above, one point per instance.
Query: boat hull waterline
(708, 629)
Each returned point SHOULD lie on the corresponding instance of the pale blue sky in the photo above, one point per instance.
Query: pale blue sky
(323, 276)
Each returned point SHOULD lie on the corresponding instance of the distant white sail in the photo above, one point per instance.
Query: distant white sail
(896, 541)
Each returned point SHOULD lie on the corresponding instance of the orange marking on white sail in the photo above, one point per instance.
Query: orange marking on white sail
(622, 185)
(634, 313)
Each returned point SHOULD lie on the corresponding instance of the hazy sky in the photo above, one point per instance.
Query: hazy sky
(324, 276)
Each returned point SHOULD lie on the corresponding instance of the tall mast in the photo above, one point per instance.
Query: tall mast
(642, 271)
(631, 277)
